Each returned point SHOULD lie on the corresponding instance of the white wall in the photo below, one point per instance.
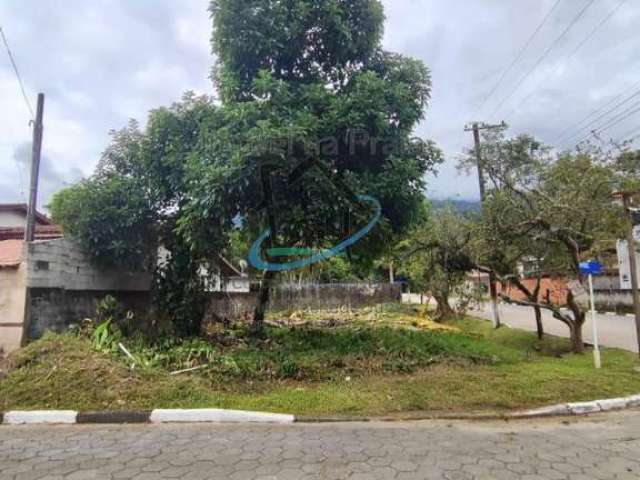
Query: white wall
(13, 293)
(12, 219)
(624, 264)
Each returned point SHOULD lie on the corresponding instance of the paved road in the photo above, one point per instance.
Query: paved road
(601, 447)
(614, 330)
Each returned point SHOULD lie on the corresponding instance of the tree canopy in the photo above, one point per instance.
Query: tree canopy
(312, 113)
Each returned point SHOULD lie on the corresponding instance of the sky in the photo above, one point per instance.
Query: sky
(102, 62)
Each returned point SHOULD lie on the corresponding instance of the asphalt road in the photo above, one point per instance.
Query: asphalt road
(602, 447)
(617, 331)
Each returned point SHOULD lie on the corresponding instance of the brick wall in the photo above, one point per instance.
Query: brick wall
(556, 288)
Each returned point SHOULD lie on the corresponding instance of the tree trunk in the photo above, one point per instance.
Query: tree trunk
(257, 327)
(443, 309)
(577, 343)
(539, 326)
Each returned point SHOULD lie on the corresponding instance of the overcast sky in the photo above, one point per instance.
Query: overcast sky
(101, 62)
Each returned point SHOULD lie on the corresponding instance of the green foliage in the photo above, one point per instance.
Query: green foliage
(312, 112)
(437, 255)
(105, 337)
(302, 41)
(299, 80)
(627, 166)
(178, 290)
(110, 217)
(389, 371)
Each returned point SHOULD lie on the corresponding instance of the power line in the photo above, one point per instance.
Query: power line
(544, 55)
(571, 55)
(595, 112)
(600, 130)
(613, 121)
(15, 69)
(629, 134)
(26, 99)
(581, 130)
(518, 56)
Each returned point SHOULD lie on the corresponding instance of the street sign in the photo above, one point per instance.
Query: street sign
(591, 268)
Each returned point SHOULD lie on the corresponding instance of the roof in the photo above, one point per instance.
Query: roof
(227, 269)
(11, 253)
(43, 232)
(41, 218)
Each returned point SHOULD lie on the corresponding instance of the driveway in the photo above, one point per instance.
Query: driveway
(617, 331)
(601, 447)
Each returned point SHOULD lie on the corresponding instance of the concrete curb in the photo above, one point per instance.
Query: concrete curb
(215, 415)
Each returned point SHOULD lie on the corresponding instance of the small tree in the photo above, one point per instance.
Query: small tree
(500, 247)
(436, 257)
(559, 205)
(135, 199)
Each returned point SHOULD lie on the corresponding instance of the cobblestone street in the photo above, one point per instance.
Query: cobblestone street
(600, 447)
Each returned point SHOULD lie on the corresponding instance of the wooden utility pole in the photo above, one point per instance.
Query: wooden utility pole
(475, 128)
(36, 149)
(633, 263)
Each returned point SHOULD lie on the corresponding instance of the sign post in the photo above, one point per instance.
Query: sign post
(591, 269)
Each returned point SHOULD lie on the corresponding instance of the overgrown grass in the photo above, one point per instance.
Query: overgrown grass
(378, 362)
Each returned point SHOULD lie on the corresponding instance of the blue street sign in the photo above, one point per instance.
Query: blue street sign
(591, 268)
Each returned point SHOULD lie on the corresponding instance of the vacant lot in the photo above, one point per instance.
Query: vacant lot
(373, 361)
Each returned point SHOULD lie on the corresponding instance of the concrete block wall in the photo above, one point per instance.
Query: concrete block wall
(238, 307)
(329, 295)
(56, 309)
(64, 287)
(63, 264)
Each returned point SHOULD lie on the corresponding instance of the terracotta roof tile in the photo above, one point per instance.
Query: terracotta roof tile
(48, 232)
(11, 253)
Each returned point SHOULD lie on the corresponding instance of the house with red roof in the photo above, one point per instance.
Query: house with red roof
(13, 220)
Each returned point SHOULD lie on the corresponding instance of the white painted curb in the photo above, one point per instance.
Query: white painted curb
(612, 404)
(582, 408)
(218, 416)
(40, 417)
(561, 409)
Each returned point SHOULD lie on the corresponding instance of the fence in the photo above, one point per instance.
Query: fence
(285, 296)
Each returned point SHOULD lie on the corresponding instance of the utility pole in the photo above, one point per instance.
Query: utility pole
(633, 263)
(36, 148)
(475, 128)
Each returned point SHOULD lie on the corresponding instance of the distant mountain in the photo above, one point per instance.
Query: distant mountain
(462, 206)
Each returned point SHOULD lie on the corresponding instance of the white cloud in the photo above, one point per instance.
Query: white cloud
(104, 61)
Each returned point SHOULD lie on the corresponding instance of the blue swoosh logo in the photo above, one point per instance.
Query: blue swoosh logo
(255, 258)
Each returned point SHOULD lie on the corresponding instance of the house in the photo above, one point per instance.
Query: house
(624, 263)
(219, 276)
(12, 294)
(13, 221)
(52, 283)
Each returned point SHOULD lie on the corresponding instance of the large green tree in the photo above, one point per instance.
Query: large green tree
(311, 114)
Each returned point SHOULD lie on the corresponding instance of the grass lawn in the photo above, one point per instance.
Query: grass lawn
(368, 362)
